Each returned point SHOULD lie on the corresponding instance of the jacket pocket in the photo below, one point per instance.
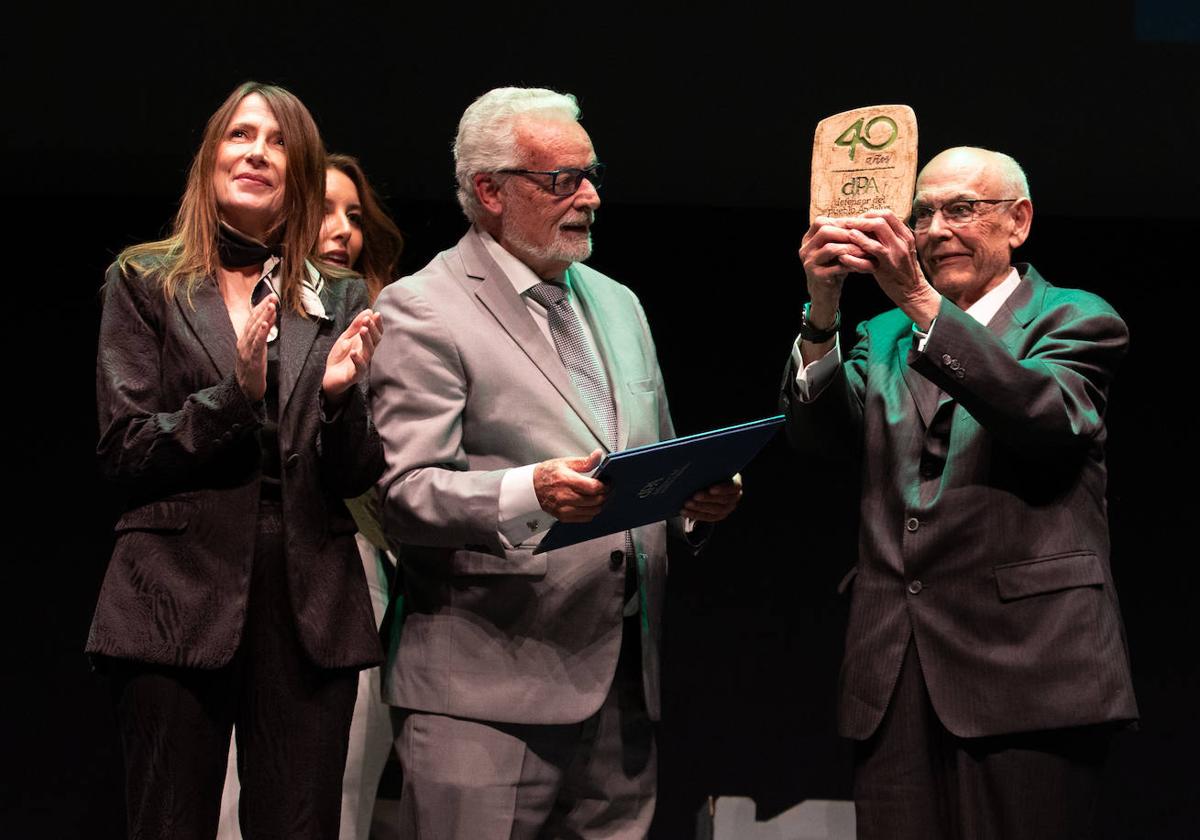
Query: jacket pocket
(1048, 574)
(169, 515)
(514, 563)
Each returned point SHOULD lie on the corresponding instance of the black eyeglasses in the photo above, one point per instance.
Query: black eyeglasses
(957, 213)
(564, 181)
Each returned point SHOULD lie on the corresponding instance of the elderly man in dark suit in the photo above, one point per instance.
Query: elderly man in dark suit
(524, 683)
(985, 665)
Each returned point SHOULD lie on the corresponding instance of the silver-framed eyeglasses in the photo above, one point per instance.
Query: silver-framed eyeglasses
(566, 181)
(957, 212)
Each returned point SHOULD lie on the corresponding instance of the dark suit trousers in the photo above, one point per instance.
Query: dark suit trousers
(293, 722)
(914, 780)
(479, 780)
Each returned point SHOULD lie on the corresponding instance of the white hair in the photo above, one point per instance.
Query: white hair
(486, 141)
(1011, 175)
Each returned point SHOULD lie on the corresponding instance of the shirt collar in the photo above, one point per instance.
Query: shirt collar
(310, 291)
(984, 309)
(519, 275)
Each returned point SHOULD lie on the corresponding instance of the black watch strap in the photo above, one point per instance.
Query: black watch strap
(810, 333)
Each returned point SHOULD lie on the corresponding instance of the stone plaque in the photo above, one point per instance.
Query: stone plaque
(865, 159)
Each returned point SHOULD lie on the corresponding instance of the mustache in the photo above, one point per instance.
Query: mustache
(586, 218)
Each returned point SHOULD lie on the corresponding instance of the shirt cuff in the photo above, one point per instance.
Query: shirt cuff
(811, 379)
(521, 517)
(922, 338)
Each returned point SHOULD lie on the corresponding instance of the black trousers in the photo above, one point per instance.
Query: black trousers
(293, 723)
(915, 780)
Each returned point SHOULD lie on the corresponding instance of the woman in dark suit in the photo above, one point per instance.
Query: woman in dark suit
(233, 413)
(356, 234)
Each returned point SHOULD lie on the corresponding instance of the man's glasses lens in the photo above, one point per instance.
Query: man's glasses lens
(565, 181)
(568, 181)
(955, 213)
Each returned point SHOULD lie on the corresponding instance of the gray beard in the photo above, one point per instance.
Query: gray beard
(556, 251)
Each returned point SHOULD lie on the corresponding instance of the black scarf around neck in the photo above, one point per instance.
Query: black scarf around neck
(237, 250)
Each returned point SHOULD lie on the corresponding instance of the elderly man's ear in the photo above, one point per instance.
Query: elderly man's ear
(487, 191)
(1022, 216)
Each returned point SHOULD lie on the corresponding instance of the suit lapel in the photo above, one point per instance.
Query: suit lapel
(296, 336)
(498, 296)
(209, 319)
(1008, 325)
(924, 393)
(1016, 314)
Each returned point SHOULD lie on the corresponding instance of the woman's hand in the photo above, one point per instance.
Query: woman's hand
(350, 356)
(251, 367)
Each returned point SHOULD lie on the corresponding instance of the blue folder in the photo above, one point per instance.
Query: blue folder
(651, 483)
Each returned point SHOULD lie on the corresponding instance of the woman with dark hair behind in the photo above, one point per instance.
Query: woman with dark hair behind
(233, 414)
(358, 235)
(350, 203)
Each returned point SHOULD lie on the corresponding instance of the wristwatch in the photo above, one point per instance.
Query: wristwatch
(817, 336)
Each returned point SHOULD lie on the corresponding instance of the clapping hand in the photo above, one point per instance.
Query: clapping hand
(350, 356)
(251, 366)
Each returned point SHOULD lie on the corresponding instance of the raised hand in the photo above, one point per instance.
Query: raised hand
(889, 252)
(822, 251)
(350, 356)
(251, 366)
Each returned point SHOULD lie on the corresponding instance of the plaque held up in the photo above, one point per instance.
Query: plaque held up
(865, 159)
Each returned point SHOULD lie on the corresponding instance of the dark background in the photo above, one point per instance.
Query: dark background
(705, 119)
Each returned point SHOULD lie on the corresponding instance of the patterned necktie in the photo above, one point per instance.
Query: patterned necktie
(573, 349)
(590, 382)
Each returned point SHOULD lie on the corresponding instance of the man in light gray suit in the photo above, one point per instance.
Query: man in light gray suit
(524, 684)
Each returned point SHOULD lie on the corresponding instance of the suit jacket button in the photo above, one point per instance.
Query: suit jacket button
(960, 373)
(947, 358)
(912, 523)
(292, 461)
(914, 588)
(616, 559)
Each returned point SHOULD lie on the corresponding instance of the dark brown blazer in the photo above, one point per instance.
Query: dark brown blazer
(180, 437)
(984, 531)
